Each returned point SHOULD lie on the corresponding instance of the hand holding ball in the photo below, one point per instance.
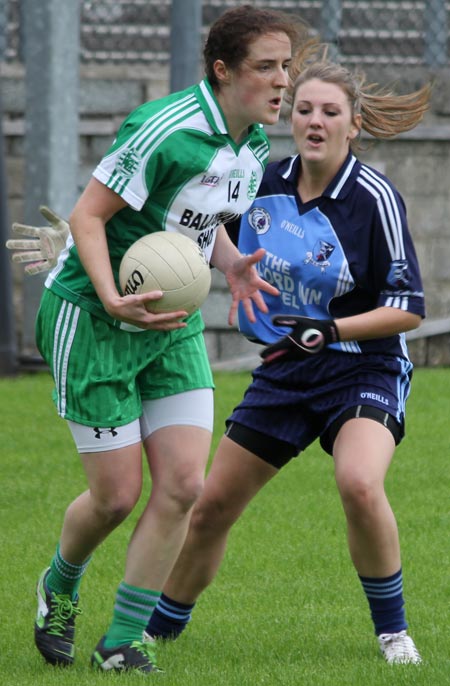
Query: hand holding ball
(167, 262)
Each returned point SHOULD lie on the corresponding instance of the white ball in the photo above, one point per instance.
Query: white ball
(169, 262)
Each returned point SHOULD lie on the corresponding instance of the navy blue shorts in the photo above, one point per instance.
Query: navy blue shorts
(290, 404)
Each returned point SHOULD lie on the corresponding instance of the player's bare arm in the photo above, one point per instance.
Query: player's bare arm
(310, 336)
(95, 207)
(378, 323)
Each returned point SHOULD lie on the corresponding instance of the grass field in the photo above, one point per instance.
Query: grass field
(286, 607)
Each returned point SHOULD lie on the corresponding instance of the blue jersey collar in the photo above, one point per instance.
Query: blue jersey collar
(338, 188)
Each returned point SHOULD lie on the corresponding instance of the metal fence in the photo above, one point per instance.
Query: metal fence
(367, 33)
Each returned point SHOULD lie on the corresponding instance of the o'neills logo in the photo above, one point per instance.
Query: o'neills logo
(374, 396)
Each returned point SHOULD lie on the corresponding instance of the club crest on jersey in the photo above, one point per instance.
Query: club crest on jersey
(252, 186)
(260, 220)
(398, 274)
(320, 254)
(128, 162)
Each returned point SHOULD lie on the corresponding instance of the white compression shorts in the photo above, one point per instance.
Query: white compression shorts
(192, 408)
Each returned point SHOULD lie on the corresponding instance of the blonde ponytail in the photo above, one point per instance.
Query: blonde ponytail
(384, 113)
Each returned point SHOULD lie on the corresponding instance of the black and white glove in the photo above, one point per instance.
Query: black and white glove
(308, 337)
(42, 244)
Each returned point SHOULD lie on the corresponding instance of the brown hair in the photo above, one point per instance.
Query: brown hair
(232, 33)
(384, 113)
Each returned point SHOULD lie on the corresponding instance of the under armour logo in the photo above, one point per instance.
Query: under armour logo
(99, 432)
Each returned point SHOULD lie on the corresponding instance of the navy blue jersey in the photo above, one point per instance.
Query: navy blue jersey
(341, 254)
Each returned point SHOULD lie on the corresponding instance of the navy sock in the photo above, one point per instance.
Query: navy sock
(169, 618)
(385, 597)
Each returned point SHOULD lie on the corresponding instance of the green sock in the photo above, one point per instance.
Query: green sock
(132, 611)
(64, 577)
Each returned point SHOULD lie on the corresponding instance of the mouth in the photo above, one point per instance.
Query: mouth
(315, 139)
(275, 103)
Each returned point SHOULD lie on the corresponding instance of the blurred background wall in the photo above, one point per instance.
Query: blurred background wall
(70, 72)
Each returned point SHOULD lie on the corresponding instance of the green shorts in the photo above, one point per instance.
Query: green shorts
(102, 373)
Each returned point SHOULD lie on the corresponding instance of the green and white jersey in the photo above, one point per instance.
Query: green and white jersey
(178, 169)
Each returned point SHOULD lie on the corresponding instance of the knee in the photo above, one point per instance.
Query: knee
(114, 508)
(211, 515)
(359, 495)
(182, 494)
(190, 492)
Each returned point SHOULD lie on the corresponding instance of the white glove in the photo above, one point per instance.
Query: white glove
(47, 243)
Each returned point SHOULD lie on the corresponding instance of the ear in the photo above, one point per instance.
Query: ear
(355, 128)
(221, 71)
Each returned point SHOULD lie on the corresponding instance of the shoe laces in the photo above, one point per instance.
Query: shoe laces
(399, 647)
(147, 649)
(63, 609)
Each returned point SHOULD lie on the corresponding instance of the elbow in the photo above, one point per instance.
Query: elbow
(413, 322)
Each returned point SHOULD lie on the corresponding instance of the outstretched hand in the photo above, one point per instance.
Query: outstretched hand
(308, 337)
(246, 285)
(46, 242)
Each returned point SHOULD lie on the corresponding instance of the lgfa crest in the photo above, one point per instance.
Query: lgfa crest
(319, 256)
(260, 220)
